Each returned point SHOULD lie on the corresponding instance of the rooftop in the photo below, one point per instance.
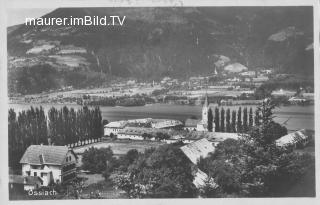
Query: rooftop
(44, 154)
(197, 149)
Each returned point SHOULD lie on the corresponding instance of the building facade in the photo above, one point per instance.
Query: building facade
(53, 164)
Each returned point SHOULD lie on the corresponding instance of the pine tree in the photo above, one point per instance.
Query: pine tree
(228, 125)
(216, 120)
(233, 121)
(239, 122)
(222, 128)
(210, 120)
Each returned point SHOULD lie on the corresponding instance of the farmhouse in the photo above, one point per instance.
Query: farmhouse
(51, 163)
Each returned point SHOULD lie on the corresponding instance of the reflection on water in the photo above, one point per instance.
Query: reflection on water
(297, 117)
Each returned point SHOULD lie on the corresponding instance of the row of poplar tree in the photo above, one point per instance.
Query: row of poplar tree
(232, 121)
(60, 127)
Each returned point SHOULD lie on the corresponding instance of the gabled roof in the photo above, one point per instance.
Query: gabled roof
(197, 149)
(44, 154)
(293, 138)
(200, 179)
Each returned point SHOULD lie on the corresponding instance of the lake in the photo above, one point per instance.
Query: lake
(299, 117)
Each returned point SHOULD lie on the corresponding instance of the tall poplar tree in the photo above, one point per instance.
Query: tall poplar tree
(210, 120)
(239, 121)
(228, 124)
(250, 118)
(233, 121)
(245, 120)
(216, 120)
(222, 127)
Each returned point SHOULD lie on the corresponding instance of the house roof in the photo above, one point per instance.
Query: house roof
(200, 179)
(292, 138)
(19, 179)
(44, 154)
(197, 149)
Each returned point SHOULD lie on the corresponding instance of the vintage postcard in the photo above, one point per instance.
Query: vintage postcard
(160, 100)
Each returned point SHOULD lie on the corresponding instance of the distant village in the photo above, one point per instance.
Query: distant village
(234, 85)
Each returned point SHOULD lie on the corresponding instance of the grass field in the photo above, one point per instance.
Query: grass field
(119, 147)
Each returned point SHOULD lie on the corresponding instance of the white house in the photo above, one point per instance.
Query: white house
(114, 127)
(51, 163)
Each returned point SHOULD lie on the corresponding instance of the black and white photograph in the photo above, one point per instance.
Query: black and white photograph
(149, 101)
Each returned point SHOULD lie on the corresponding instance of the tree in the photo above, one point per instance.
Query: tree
(216, 120)
(96, 160)
(210, 120)
(228, 124)
(267, 131)
(257, 117)
(233, 121)
(164, 172)
(239, 122)
(162, 136)
(245, 120)
(222, 128)
(250, 118)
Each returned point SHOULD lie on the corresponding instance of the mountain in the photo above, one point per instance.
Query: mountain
(157, 42)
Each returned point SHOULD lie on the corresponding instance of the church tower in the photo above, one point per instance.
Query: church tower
(205, 109)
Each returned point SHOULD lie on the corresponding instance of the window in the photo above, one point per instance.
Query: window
(35, 174)
(28, 173)
(69, 158)
(43, 174)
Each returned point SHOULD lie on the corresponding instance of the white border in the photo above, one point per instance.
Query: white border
(151, 3)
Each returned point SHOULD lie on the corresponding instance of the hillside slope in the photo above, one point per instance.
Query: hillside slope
(157, 42)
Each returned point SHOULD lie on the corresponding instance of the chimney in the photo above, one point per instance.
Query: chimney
(49, 141)
(41, 157)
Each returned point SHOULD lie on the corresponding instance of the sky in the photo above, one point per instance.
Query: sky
(18, 16)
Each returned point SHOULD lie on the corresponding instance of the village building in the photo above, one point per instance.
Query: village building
(298, 138)
(53, 164)
(248, 73)
(194, 151)
(113, 128)
(283, 93)
(118, 126)
(165, 123)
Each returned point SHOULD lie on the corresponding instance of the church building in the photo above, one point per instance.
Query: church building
(200, 125)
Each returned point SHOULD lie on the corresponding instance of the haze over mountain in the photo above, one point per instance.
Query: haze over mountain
(158, 42)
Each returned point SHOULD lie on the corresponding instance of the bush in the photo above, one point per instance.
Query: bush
(96, 160)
